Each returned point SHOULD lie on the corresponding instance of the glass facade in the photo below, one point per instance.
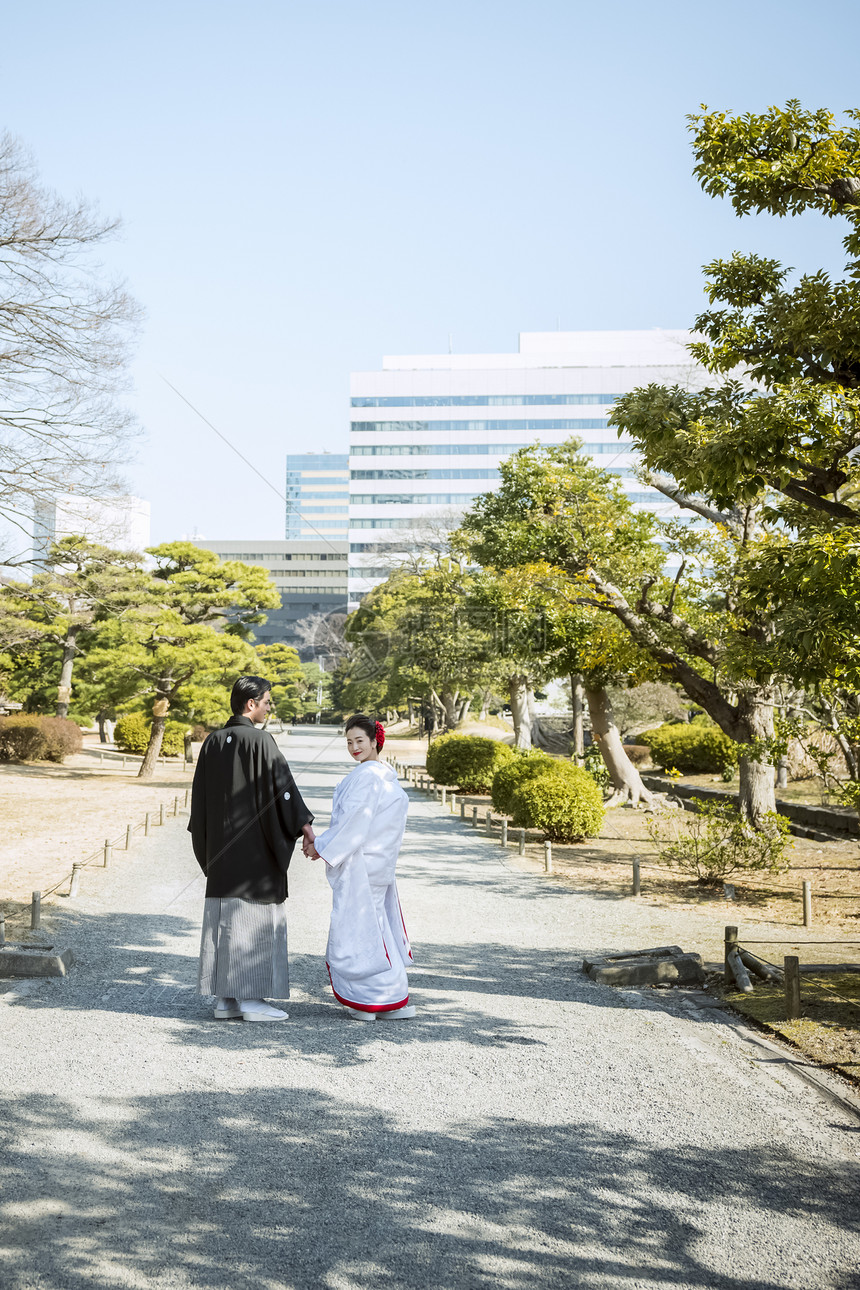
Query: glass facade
(467, 449)
(521, 423)
(481, 400)
(424, 474)
(314, 478)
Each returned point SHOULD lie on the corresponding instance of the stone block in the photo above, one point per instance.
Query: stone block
(665, 965)
(34, 960)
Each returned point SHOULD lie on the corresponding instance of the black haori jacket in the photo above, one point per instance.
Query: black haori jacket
(246, 814)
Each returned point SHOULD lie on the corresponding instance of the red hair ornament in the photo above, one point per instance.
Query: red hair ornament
(380, 736)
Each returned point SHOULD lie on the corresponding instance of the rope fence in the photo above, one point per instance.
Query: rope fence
(104, 854)
(740, 963)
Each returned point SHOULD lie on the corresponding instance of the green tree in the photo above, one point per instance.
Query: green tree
(776, 466)
(554, 506)
(189, 631)
(413, 636)
(280, 663)
(51, 619)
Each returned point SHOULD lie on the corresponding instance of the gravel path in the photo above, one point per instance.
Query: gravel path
(529, 1129)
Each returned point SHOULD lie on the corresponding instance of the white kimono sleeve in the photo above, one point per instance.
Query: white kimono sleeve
(353, 820)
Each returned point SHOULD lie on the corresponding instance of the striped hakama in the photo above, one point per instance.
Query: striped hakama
(243, 949)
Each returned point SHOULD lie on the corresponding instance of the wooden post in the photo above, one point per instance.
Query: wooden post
(474, 817)
(444, 797)
(522, 842)
(637, 885)
(128, 833)
(75, 884)
(36, 911)
(146, 825)
(2, 929)
(807, 904)
(186, 796)
(161, 814)
(176, 806)
(462, 809)
(488, 822)
(453, 803)
(503, 838)
(791, 966)
(731, 943)
(108, 853)
(547, 856)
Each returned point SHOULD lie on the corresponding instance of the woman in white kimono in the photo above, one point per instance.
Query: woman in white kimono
(368, 949)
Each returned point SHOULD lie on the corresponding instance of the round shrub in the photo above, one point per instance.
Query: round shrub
(62, 738)
(21, 738)
(515, 771)
(468, 762)
(693, 750)
(564, 803)
(27, 737)
(132, 735)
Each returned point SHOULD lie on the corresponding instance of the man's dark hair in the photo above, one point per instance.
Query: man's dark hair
(361, 722)
(247, 687)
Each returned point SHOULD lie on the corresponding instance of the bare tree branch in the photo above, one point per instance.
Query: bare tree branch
(64, 338)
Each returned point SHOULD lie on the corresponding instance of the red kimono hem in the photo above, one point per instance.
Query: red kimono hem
(365, 1007)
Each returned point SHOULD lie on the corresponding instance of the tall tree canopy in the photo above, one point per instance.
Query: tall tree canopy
(190, 629)
(555, 506)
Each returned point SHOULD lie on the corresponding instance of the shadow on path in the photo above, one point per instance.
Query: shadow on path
(296, 1188)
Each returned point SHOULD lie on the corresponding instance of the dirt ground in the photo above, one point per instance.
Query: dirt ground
(51, 816)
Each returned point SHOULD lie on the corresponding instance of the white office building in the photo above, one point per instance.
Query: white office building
(122, 523)
(427, 432)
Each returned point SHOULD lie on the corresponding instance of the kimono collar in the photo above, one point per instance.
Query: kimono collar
(240, 721)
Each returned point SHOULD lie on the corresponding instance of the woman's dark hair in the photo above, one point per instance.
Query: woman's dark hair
(247, 687)
(361, 722)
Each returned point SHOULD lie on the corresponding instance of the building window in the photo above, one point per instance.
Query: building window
(549, 423)
(479, 400)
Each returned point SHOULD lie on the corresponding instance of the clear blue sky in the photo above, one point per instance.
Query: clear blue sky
(307, 186)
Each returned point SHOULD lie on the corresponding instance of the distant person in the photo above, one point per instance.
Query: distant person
(368, 948)
(246, 815)
(429, 722)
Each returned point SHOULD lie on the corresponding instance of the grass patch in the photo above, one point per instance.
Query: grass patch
(828, 1032)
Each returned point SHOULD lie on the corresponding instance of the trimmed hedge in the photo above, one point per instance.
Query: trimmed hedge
(692, 750)
(564, 803)
(468, 762)
(28, 737)
(133, 730)
(521, 767)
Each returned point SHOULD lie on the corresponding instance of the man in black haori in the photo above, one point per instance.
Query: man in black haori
(246, 815)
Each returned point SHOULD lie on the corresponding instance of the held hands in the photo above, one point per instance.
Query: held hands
(308, 845)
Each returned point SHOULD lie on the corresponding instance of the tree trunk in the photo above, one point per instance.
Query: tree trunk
(518, 688)
(101, 718)
(577, 696)
(448, 700)
(486, 695)
(624, 775)
(156, 735)
(463, 710)
(64, 689)
(756, 793)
